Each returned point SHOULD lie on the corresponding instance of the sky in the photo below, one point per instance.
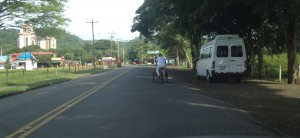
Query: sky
(111, 16)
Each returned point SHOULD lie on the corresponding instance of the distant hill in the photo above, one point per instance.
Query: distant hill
(70, 41)
(8, 38)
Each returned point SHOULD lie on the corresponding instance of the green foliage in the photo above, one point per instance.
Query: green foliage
(71, 47)
(44, 59)
(137, 49)
(42, 14)
(15, 50)
(270, 23)
(8, 39)
(7, 66)
(104, 44)
(8, 36)
(69, 43)
(69, 56)
(50, 32)
(32, 48)
(134, 48)
(272, 63)
(185, 18)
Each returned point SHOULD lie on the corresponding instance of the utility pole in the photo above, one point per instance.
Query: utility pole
(123, 53)
(93, 46)
(118, 44)
(111, 39)
(1, 50)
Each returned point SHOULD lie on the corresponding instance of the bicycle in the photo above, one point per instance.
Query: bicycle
(163, 73)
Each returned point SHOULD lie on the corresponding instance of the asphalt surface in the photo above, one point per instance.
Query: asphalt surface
(123, 103)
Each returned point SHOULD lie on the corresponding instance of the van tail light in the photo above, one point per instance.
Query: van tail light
(213, 65)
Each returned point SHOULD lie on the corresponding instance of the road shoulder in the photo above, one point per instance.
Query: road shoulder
(275, 105)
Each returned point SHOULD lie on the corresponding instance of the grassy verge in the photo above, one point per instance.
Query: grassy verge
(17, 81)
(272, 67)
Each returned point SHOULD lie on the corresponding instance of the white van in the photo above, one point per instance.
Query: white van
(224, 56)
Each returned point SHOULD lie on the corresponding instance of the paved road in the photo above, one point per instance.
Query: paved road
(123, 103)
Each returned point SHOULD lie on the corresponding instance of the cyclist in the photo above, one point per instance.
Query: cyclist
(160, 63)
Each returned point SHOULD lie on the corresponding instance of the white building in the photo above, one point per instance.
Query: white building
(27, 37)
(48, 43)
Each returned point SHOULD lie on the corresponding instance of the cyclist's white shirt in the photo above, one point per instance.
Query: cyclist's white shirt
(161, 62)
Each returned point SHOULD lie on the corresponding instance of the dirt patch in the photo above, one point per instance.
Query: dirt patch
(275, 105)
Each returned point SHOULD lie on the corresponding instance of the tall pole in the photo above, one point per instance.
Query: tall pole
(142, 55)
(1, 50)
(111, 39)
(118, 43)
(123, 54)
(93, 46)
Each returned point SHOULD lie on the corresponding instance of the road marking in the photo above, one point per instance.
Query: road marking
(39, 122)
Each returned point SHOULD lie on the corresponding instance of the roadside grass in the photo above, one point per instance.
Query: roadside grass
(273, 63)
(18, 81)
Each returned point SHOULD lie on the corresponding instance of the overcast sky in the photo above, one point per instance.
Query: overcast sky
(112, 16)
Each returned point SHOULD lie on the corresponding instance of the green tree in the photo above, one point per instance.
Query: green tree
(15, 50)
(263, 24)
(87, 58)
(69, 56)
(69, 43)
(43, 14)
(286, 16)
(32, 48)
(44, 59)
(8, 40)
(104, 47)
(186, 18)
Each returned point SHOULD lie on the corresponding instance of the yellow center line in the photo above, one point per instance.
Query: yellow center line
(39, 122)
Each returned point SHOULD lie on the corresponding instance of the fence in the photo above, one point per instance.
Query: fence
(21, 76)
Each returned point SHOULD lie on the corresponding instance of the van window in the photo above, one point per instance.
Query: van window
(201, 54)
(205, 53)
(222, 51)
(236, 51)
(209, 53)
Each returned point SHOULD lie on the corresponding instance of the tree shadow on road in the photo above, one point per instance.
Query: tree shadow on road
(275, 105)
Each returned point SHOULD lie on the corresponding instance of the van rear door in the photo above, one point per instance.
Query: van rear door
(236, 56)
(221, 57)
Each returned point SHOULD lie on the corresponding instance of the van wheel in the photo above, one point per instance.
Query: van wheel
(208, 78)
(197, 76)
